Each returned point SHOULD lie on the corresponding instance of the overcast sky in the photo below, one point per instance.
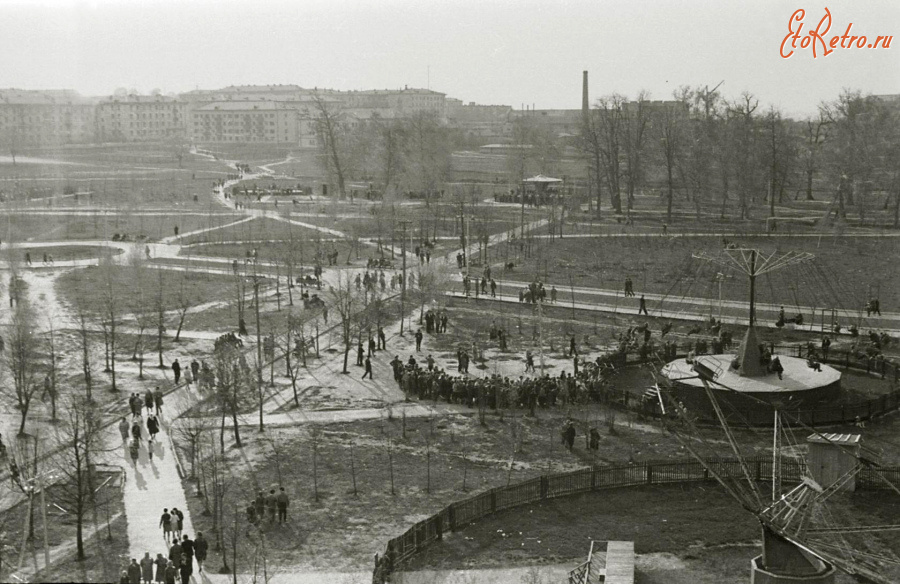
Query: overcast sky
(510, 52)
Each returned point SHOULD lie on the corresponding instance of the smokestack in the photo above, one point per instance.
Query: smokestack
(585, 105)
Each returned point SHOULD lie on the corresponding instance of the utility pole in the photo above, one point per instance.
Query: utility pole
(403, 224)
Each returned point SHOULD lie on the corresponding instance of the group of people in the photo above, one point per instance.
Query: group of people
(132, 432)
(590, 383)
(177, 563)
(482, 286)
(274, 505)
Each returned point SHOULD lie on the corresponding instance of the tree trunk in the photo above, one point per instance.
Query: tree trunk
(670, 194)
(809, 182)
(237, 431)
(180, 324)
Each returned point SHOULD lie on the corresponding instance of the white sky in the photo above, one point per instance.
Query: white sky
(490, 51)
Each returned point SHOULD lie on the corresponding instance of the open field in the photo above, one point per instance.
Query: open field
(692, 533)
(84, 288)
(102, 561)
(74, 225)
(341, 529)
(59, 253)
(846, 270)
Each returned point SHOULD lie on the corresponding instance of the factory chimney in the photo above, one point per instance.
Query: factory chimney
(585, 105)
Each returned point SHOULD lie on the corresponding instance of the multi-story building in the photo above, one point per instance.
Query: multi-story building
(140, 118)
(246, 121)
(42, 118)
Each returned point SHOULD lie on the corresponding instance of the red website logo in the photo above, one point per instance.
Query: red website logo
(816, 39)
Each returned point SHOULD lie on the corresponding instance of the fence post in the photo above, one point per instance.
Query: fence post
(451, 512)
(439, 526)
(545, 486)
(649, 474)
(593, 477)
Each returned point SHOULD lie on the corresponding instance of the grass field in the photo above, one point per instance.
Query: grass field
(59, 253)
(102, 562)
(83, 288)
(846, 271)
(95, 225)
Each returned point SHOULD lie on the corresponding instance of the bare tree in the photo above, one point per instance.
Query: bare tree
(22, 357)
(426, 154)
(81, 439)
(635, 126)
(815, 134)
(333, 139)
(109, 295)
(160, 309)
(85, 352)
(233, 380)
(667, 123)
(184, 301)
(344, 297)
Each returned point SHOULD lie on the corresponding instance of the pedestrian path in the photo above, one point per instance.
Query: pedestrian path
(153, 484)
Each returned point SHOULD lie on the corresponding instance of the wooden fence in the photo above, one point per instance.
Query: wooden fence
(461, 513)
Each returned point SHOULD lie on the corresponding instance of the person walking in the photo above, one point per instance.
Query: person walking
(382, 339)
(643, 306)
(148, 400)
(272, 505)
(136, 430)
(175, 553)
(152, 427)
(201, 547)
(147, 568)
(160, 563)
(368, 371)
(158, 400)
(165, 521)
(134, 402)
(283, 501)
(134, 572)
(359, 354)
(134, 450)
(418, 340)
(195, 368)
(186, 571)
(171, 572)
(177, 522)
(124, 429)
(176, 370)
(187, 548)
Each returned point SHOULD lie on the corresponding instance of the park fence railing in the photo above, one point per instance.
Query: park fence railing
(403, 548)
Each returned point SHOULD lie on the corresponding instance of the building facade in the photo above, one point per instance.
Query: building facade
(140, 118)
(44, 118)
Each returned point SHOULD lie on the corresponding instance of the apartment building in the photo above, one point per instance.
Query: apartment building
(41, 118)
(140, 118)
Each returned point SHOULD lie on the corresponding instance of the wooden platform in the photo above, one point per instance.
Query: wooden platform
(797, 376)
(619, 562)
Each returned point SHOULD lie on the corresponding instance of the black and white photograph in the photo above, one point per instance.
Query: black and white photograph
(449, 292)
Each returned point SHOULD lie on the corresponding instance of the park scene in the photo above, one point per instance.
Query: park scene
(269, 333)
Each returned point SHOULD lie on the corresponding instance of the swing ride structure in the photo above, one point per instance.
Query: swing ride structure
(809, 531)
(750, 372)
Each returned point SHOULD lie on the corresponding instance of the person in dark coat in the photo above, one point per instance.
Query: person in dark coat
(175, 554)
(176, 370)
(161, 564)
(368, 371)
(134, 572)
(148, 401)
(171, 573)
(359, 354)
(201, 547)
(147, 568)
(186, 571)
(152, 427)
(195, 369)
(283, 501)
(187, 549)
(123, 579)
(418, 340)
(158, 400)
